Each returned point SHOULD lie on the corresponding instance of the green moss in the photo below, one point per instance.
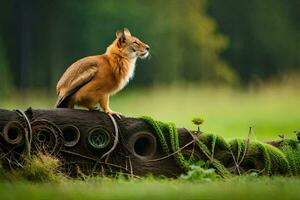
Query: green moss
(158, 127)
(291, 150)
(168, 136)
(248, 156)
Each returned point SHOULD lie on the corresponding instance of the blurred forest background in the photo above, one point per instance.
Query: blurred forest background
(228, 42)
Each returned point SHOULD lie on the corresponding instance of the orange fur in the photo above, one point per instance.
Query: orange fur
(96, 78)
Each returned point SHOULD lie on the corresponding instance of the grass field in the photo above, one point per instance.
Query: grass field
(238, 188)
(227, 112)
(270, 110)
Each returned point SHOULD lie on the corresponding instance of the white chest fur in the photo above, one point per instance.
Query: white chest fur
(129, 75)
(131, 69)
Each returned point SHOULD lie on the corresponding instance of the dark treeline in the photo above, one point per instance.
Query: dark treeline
(264, 36)
(228, 41)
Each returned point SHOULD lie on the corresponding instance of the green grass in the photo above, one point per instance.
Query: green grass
(237, 188)
(228, 112)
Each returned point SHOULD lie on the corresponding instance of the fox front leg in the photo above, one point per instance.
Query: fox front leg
(104, 104)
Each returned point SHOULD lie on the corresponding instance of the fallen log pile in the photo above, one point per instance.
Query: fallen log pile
(92, 142)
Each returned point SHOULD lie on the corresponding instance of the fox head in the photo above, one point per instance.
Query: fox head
(130, 46)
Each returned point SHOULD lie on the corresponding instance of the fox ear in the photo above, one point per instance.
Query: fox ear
(119, 33)
(121, 36)
(127, 32)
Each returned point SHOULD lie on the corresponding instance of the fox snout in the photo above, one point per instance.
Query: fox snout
(145, 53)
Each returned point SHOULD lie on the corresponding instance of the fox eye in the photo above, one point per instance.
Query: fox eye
(135, 42)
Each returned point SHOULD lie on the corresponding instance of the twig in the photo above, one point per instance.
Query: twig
(116, 140)
(127, 174)
(103, 171)
(175, 152)
(131, 171)
(93, 159)
(126, 164)
(116, 136)
(7, 153)
(235, 161)
(106, 159)
(193, 151)
(28, 131)
(246, 145)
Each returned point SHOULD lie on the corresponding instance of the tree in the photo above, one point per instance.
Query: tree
(50, 35)
(264, 36)
(5, 74)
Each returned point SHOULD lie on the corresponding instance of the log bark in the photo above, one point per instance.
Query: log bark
(80, 138)
(136, 147)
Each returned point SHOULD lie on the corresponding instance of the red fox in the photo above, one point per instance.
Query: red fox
(93, 79)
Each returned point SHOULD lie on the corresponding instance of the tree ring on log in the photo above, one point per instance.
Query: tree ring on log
(46, 137)
(142, 145)
(98, 138)
(71, 135)
(14, 133)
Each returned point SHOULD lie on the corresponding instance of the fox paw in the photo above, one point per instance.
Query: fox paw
(110, 112)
